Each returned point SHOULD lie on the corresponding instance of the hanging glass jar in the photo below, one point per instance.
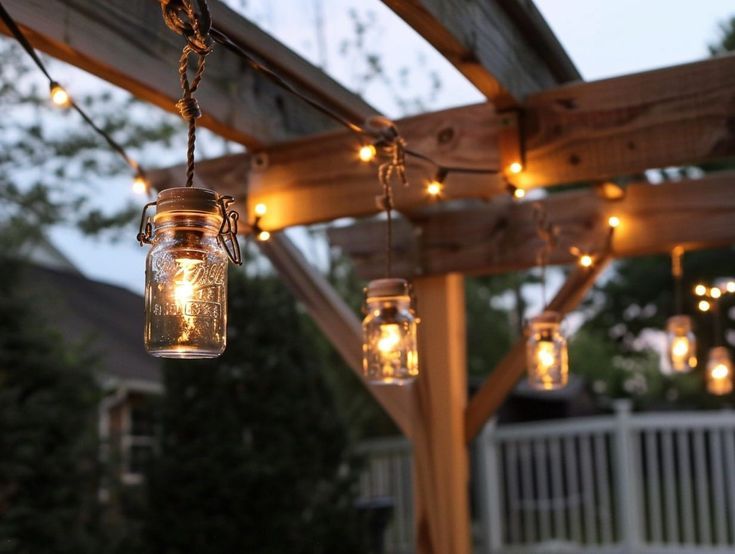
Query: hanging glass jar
(719, 371)
(390, 354)
(546, 352)
(681, 344)
(192, 236)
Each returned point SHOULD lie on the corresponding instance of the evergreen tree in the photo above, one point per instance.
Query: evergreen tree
(48, 410)
(253, 457)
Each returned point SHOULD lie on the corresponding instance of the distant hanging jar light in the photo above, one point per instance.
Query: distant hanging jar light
(192, 235)
(719, 371)
(681, 344)
(546, 352)
(390, 353)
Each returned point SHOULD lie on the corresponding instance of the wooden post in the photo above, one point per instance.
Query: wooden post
(441, 460)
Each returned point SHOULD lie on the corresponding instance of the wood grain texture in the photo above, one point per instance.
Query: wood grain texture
(485, 239)
(441, 460)
(505, 48)
(335, 319)
(127, 43)
(674, 116)
(511, 368)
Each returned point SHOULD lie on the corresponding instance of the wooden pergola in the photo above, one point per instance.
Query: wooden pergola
(537, 111)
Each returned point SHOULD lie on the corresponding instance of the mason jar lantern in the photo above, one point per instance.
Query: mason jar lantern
(546, 352)
(192, 236)
(719, 371)
(390, 354)
(681, 344)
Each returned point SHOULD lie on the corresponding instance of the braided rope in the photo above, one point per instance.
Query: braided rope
(181, 17)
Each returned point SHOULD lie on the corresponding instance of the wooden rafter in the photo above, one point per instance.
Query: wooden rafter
(507, 373)
(504, 47)
(126, 42)
(615, 127)
(485, 239)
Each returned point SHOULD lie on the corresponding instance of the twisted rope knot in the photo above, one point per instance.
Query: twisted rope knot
(180, 17)
(189, 108)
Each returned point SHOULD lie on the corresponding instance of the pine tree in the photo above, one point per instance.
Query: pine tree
(48, 399)
(253, 456)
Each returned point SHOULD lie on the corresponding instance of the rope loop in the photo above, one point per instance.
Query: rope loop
(181, 17)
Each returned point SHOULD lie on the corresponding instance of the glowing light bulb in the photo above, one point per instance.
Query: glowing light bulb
(682, 344)
(715, 292)
(185, 279)
(719, 371)
(260, 209)
(390, 338)
(546, 353)
(264, 236)
(730, 287)
(367, 153)
(704, 305)
(700, 290)
(59, 96)
(585, 260)
(140, 185)
(515, 168)
(613, 221)
(519, 193)
(434, 188)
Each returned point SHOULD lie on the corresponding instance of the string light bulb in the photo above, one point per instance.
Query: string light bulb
(704, 305)
(390, 354)
(260, 209)
(264, 236)
(700, 290)
(515, 168)
(715, 293)
(59, 96)
(719, 371)
(434, 188)
(546, 352)
(586, 260)
(613, 221)
(367, 153)
(140, 185)
(681, 344)
(730, 287)
(516, 192)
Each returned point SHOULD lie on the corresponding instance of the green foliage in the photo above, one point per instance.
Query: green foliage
(253, 457)
(48, 452)
(726, 43)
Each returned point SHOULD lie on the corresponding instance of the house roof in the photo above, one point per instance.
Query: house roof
(106, 319)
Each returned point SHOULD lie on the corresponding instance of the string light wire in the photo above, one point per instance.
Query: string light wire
(26, 45)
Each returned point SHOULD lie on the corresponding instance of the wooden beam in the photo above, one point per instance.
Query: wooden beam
(127, 43)
(504, 47)
(616, 127)
(667, 117)
(510, 369)
(441, 461)
(335, 319)
(484, 239)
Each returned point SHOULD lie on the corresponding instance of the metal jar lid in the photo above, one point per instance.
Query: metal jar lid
(188, 200)
(380, 288)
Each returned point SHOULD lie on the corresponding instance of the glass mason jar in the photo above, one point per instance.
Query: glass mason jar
(390, 353)
(546, 353)
(681, 344)
(719, 371)
(186, 277)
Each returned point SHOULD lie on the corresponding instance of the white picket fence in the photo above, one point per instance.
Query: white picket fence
(625, 483)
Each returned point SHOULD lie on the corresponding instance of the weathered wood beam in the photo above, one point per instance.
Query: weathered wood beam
(504, 47)
(667, 117)
(485, 239)
(441, 460)
(335, 319)
(127, 43)
(616, 127)
(510, 369)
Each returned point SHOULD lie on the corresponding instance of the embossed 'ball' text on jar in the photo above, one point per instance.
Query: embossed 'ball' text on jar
(186, 277)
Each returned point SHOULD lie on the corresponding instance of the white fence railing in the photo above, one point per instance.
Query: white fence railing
(625, 483)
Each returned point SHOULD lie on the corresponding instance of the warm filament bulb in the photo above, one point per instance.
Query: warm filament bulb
(585, 260)
(434, 188)
(519, 193)
(680, 347)
(140, 186)
(184, 284)
(720, 371)
(704, 306)
(700, 290)
(715, 292)
(545, 355)
(390, 338)
(260, 209)
(59, 96)
(264, 236)
(367, 153)
(515, 168)
(613, 221)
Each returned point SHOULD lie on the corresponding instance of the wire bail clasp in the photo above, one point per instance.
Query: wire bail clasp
(227, 236)
(145, 231)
